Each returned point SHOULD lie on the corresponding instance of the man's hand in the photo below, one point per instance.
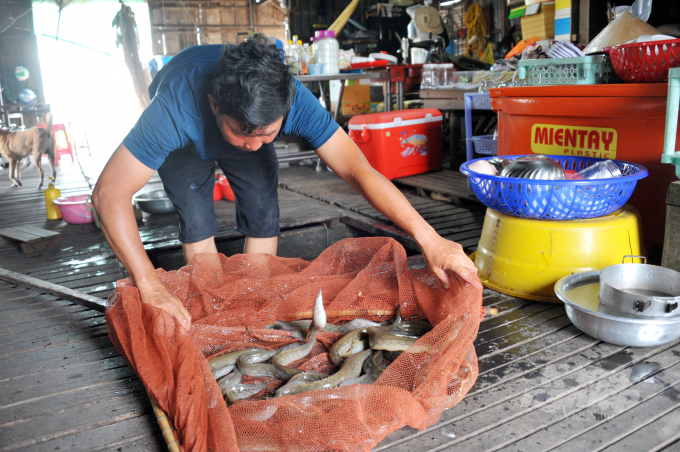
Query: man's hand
(441, 255)
(156, 294)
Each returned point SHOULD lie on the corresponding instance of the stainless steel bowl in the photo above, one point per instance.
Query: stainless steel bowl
(534, 167)
(154, 202)
(590, 316)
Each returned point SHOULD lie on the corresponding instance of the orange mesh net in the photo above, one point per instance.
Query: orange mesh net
(231, 299)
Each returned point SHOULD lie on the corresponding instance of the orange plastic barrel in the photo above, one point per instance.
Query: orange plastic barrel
(621, 122)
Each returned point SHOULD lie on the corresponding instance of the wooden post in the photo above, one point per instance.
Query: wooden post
(65, 293)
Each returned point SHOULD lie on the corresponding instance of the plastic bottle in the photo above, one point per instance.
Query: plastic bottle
(52, 193)
(300, 53)
(306, 59)
(327, 51)
(293, 56)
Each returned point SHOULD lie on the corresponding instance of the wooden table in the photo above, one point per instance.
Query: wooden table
(451, 100)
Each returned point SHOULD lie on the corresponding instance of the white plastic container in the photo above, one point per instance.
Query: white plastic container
(326, 51)
(427, 81)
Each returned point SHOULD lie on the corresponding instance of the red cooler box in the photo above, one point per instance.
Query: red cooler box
(400, 143)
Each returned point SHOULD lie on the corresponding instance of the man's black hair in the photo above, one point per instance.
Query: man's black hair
(252, 84)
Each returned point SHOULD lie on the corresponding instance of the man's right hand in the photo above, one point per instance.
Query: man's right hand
(156, 294)
(122, 177)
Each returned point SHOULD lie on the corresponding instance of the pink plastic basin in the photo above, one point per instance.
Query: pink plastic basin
(74, 209)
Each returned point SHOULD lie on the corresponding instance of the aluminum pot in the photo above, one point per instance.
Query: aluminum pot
(640, 289)
(625, 329)
(154, 202)
(534, 167)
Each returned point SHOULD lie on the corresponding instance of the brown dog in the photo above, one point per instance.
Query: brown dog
(17, 145)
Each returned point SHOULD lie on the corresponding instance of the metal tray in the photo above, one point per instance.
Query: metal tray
(594, 319)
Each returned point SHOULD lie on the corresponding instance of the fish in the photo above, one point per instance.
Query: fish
(365, 379)
(229, 381)
(224, 364)
(351, 368)
(357, 340)
(251, 364)
(296, 353)
(241, 391)
(391, 356)
(343, 347)
(304, 377)
(304, 325)
(372, 366)
(382, 340)
(414, 327)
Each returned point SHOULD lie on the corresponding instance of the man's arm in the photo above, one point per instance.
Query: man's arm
(122, 177)
(347, 161)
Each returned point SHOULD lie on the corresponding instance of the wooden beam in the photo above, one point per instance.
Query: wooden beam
(65, 293)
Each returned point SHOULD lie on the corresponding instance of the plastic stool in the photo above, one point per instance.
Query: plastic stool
(62, 143)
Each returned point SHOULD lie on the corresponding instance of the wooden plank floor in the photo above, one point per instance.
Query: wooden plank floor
(449, 183)
(462, 224)
(543, 385)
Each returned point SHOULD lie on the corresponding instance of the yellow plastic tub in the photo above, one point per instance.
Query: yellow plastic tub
(525, 258)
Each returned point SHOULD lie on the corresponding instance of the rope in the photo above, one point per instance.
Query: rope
(475, 22)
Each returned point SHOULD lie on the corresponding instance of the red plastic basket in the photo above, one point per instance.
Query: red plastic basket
(645, 61)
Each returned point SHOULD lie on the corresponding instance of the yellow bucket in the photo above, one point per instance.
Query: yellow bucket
(525, 258)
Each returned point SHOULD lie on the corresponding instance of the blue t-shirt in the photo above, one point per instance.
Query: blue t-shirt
(179, 114)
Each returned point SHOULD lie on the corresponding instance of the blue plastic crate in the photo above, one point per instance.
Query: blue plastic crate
(556, 199)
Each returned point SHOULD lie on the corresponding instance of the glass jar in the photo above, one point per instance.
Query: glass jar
(442, 73)
(427, 80)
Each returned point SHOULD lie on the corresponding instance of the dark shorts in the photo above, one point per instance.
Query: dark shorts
(189, 182)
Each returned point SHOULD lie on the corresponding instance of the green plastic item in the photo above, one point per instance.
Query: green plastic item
(670, 155)
(588, 70)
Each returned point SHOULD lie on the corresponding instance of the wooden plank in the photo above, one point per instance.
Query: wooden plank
(75, 423)
(44, 233)
(594, 413)
(16, 233)
(125, 429)
(41, 245)
(154, 443)
(44, 321)
(559, 402)
(44, 384)
(45, 336)
(54, 289)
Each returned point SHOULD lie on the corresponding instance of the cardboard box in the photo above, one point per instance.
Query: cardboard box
(539, 20)
(356, 100)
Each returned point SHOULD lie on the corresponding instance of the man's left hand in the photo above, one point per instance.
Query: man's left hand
(441, 255)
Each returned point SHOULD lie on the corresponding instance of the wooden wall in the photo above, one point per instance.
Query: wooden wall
(311, 15)
(177, 25)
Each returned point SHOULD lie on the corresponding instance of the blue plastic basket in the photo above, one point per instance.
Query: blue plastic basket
(556, 199)
(485, 144)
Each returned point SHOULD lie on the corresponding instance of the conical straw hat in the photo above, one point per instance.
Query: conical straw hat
(624, 28)
(428, 20)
